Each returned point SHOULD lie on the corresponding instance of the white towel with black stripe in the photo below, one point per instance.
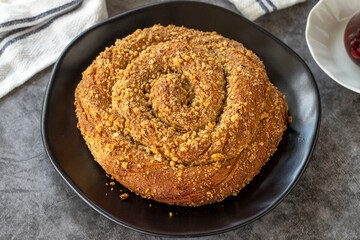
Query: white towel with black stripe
(253, 9)
(33, 33)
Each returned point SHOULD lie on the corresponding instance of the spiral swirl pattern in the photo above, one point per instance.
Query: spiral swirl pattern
(178, 115)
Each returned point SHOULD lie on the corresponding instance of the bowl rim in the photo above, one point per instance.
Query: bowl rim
(311, 48)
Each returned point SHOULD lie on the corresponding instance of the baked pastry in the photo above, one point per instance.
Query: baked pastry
(178, 115)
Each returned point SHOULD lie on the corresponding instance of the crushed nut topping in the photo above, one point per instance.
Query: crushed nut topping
(179, 115)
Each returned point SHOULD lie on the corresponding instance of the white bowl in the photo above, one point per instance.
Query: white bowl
(325, 38)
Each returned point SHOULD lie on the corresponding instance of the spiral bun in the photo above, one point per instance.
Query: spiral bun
(180, 116)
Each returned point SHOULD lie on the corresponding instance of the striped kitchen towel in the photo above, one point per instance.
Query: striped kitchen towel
(252, 9)
(34, 32)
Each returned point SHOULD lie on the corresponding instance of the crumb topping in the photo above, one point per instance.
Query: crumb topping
(179, 115)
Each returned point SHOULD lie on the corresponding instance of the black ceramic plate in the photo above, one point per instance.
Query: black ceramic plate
(72, 159)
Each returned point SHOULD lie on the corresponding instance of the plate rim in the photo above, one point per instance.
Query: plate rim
(108, 215)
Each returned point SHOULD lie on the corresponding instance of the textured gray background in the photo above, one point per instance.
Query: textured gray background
(35, 203)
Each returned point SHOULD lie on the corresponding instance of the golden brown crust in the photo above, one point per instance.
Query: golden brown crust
(180, 116)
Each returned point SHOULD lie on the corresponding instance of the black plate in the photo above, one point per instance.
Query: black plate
(72, 159)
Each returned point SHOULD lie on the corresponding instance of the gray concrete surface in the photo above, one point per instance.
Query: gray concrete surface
(35, 203)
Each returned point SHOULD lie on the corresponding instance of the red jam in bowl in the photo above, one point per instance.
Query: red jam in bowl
(352, 38)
